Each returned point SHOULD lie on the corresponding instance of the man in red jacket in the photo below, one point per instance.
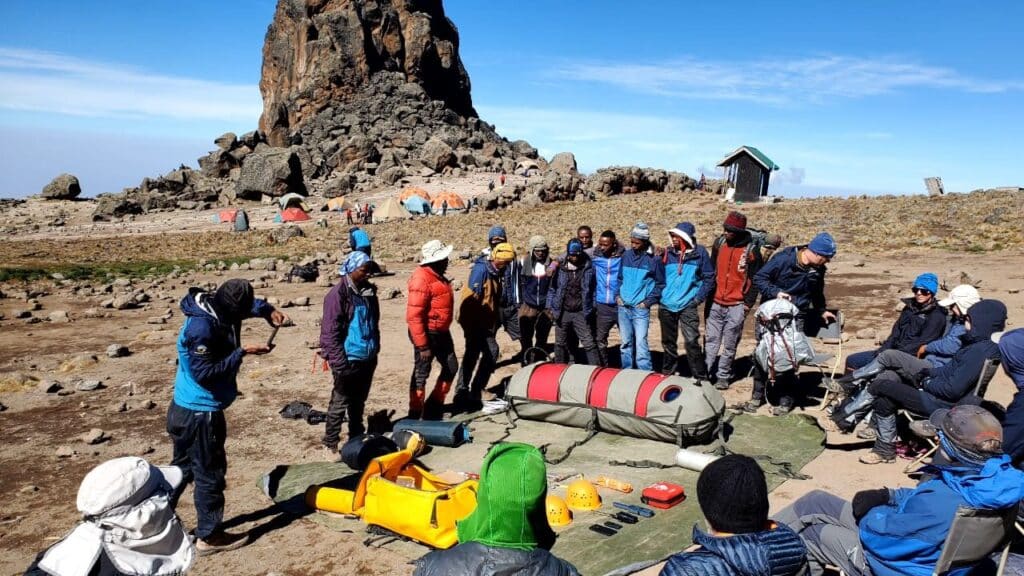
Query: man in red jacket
(429, 314)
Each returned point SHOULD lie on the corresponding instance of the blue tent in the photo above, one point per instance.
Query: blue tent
(416, 205)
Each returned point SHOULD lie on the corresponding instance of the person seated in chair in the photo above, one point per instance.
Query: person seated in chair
(898, 532)
(941, 350)
(733, 496)
(916, 386)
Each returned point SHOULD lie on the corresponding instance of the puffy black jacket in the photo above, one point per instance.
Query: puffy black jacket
(475, 559)
(777, 552)
(916, 326)
(949, 384)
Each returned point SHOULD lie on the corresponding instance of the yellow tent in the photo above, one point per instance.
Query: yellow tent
(339, 204)
(390, 209)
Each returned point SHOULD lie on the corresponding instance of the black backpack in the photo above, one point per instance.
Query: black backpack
(307, 273)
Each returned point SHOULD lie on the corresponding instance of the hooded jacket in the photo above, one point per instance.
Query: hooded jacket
(533, 290)
(775, 552)
(481, 298)
(209, 354)
(916, 326)
(559, 281)
(783, 273)
(687, 275)
(606, 275)
(949, 384)
(639, 278)
(350, 328)
(905, 537)
(1012, 357)
(431, 304)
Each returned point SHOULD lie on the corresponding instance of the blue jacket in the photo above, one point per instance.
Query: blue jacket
(940, 352)
(639, 278)
(349, 329)
(556, 293)
(783, 274)
(776, 552)
(1013, 425)
(949, 384)
(904, 538)
(688, 277)
(533, 290)
(606, 275)
(209, 355)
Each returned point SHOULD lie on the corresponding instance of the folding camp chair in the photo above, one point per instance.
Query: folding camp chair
(830, 335)
(988, 371)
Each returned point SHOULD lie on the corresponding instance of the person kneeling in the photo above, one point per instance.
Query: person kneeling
(508, 533)
(733, 496)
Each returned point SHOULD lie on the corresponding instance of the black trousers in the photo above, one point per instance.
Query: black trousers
(686, 320)
(348, 399)
(577, 325)
(198, 439)
(481, 357)
(443, 349)
(606, 317)
(534, 327)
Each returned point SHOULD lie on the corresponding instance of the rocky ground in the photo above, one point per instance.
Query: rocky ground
(87, 361)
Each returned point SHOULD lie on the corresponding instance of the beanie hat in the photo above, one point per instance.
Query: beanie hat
(964, 296)
(503, 252)
(733, 495)
(640, 231)
(773, 240)
(574, 247)
(735, 222)
(687, 232)
(234, 299)
(510, 502)
(538, 243)
(496, 231)
(823, 245)
(928, 281)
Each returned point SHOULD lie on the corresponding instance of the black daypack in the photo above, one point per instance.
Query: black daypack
(307, 273)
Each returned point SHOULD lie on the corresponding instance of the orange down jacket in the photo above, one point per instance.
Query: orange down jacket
(430, 306)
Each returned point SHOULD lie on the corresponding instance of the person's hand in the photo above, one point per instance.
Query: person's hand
(828, 317)
(278, 318)
(784, 296)
(424, 354)
(865, 500)
(618, 301)
(257, 349)
(921, 350)
(746, 309)
(641, 306)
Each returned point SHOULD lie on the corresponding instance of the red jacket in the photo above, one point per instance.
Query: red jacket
(431, 305)
(733, 276)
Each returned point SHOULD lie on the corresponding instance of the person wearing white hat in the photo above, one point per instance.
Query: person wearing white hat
(428, 313)
(128, 525)
(941, 351)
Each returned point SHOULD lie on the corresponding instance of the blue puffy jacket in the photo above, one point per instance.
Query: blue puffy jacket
(904, 538)
(1012, 354)
(688, 277)
(606, 275)
(775, 552)
(783, 273)
(940, 352)
(556, 293)
(639, 278)
(209, 354)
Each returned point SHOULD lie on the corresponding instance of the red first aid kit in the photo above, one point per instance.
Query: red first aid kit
(663, 495)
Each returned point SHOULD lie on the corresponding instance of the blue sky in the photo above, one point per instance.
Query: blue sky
(851, 97)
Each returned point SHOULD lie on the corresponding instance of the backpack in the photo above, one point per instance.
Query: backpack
(758, 238)
(781, 347)
(307, 273)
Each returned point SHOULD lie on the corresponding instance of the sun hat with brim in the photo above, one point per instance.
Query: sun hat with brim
(964, 296)
(511, 509)
(434, 251)
(124, 481)
(970, 428)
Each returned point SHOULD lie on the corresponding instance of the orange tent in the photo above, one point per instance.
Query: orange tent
(294, 214)
(455, 202)
(413, 191)
(227, 216)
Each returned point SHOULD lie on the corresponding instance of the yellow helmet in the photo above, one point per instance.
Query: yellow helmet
(558, 512)
(583, 496)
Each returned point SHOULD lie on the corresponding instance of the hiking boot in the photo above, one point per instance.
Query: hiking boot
(220, 542)
(834, 386)
(753, 404)
(782, 409)
(867, 433)
(331, 454)
(876, 458)
(830, 425)
(722, 384)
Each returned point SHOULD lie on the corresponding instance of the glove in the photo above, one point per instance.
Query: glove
(865, 500)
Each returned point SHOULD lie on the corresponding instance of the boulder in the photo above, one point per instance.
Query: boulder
(563, 163)
(59, 317)
(63, 187)
(285, 233)
(272, 172)
(226, 141)
(436, 154)
(117, 351)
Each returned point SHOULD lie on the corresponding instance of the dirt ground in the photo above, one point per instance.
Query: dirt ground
(37, 488)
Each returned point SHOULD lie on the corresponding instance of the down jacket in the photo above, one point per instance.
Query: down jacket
(431, 305)
(776, 552)
(476, 559)
(559, 281)
(916, 326)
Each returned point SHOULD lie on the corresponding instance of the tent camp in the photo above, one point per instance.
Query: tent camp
(390, 209)
(414, 191)
(293, 208)
(454, 201)
(339, 204)
(416, 205)
(227, 216)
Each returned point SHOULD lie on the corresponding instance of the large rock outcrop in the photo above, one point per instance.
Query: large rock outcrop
(63, 187)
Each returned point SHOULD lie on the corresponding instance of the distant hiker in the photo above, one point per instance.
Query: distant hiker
(607, 263)
(348, 216)
(534, 281)
(444, 207)
(899, 531)
(490, 185)
(508, 532)
(736, 259)
(359, 240)
(796, 274)
(429, 313)
(570, 300)
(369, 214)
(210, 353)
(128, 525)
(479, 313)
(639, 289)
(350, 342)
(733, 496)
(1011, 352)
(501, 178)
(702, 182)
(586, 237)
(687, 278)
(941, 350)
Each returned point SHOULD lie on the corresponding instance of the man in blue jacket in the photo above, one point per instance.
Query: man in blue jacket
(534, 281)
(688, 277)
(918, 387)
(571, 302)
(796, 274)
(210, 353)
(607, 262)
(639, 289)
(900, 532)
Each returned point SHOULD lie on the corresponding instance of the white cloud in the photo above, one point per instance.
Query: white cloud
(37, 81)
(776, 81)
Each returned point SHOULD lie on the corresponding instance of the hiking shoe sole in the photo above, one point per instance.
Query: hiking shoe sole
(867, 434)
(204, 548)
(872, 458)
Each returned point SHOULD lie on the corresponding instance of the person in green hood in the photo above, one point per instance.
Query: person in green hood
(508, 533)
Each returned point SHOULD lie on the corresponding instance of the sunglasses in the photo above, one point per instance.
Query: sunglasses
(922, 291)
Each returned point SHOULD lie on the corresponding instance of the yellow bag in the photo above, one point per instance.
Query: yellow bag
(398, 495)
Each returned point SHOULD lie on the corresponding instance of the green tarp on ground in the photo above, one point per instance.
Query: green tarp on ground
(781, 444)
